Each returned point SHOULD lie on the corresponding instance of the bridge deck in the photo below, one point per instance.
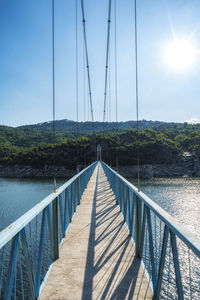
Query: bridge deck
(97, 256)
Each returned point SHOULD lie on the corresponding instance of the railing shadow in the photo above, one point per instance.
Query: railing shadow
(109, 242)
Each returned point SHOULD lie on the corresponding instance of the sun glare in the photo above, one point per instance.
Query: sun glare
(179, 54)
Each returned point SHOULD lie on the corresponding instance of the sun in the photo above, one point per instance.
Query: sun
(179, 54)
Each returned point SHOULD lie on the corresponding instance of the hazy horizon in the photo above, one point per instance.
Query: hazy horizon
(193, 121)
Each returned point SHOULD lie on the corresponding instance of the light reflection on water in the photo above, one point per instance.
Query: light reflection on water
(178, 196)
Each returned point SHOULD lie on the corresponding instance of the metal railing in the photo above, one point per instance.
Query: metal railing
(30, 244)
(170, 253)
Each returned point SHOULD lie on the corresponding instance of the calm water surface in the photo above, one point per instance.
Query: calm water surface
(17, 196)
(178, 196)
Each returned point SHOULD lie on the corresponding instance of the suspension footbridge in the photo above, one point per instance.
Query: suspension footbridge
(97, 237)
(97, 257)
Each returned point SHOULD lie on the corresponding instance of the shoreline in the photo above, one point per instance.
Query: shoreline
(47, 172)
(147, 171)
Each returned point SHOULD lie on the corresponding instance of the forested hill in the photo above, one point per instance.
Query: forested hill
(186, 135)
(159, 142)
(86, 127)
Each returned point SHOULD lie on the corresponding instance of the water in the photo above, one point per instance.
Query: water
(17, 196)
(178, 196)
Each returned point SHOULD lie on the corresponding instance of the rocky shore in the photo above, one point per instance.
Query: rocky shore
(19, 171)
(187, 168)
(162, 170)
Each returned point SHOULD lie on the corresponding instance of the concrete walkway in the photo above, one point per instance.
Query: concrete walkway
(97, 257)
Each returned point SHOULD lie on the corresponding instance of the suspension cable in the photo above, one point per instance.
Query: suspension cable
(116, 82)
(109, 98)
(88, 105)
(77, 79)
(84, 98)
(137, 93)
(116, 78)
(107, 57)
(77, 83)
(53, 91)
(87, 62)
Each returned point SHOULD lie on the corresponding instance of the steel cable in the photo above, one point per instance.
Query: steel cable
(110, 96)
(84, 99)
(116, 76)
(87, 63)
(88, 74)
(107, 58)
(116, 85)
(77, 79)
(77, 83)
(137, 93)
(53, 92)
(84, 90)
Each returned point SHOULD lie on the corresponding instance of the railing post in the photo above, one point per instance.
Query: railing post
(138, 215)
(55, 228)
(176, 266)
(125, 202)
(65, 211)
(116, 189)
(26, 255)
(61, 215)
(122, 199)
(132, 204)
(11, 268)
(75, 196)
(40, 252)
(72, 200)
(78, 190)
(162, 263)
(151, 249)
(121, 195)
(49, 221)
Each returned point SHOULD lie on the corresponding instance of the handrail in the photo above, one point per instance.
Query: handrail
(183, 233)
(169, 251)
(10, 231)
(30, 244)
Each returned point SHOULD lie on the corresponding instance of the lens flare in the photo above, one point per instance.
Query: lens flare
(180, 54)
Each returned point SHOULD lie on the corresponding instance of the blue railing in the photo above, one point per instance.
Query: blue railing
(170, 253)
(30, 245)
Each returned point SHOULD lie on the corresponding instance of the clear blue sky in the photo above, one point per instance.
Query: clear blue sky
(25, 60)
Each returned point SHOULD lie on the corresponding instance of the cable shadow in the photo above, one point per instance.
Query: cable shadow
(111, 270)
(89, 269)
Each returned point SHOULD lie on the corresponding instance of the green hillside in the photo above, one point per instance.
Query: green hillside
(158, 142)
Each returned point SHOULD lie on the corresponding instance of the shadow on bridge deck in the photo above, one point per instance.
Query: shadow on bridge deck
(97, 258)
